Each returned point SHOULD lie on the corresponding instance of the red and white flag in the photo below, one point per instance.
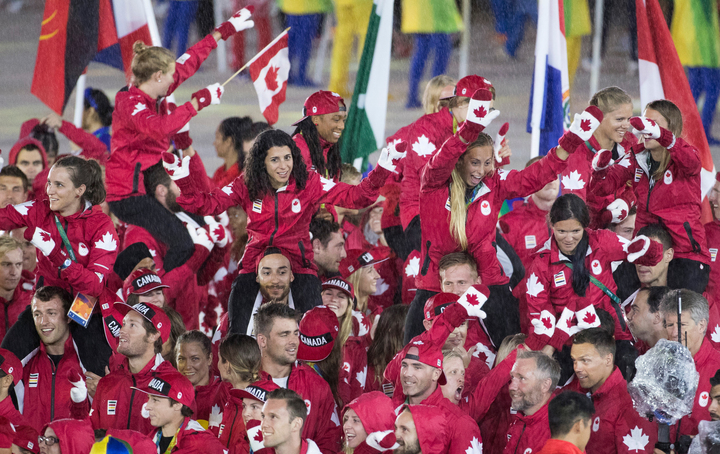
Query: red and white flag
(269, 72)
(662, 77)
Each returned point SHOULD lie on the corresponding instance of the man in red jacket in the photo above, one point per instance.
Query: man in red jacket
(115, 405)
(278, 336)
(53, 374)
(11, 372)
(170, 396)
(13, 297)
(533, 379)
(14, 186)
(695, 316)
(644, 318)
(617, 427)
(570, 416)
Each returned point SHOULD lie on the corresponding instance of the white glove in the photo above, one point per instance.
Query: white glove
(585, 124)
(240, 20)
(217, 232)
(602, 160)
(391, 154)
(619, 209)
(565, 322)
(637, 248)
(174, 167)
(201, 237)
(224, 219)
(382, 441)
(43, 241)
(499, 138)
(473, 299)
(587, 318)
(254, 434)
(79, 392)
(651, 130)
(479, 109)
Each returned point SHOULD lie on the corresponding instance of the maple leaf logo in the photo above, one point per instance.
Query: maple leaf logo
(488, 355)
(652, 122)
(363, 323)
(327, 184)
(472, 300)
(546, 322)
(534, 287)
(45, 236)
(588, 318)
(636, 440)
(413, 267)
(346, 367)
(258, 437)
(503, 174)
(219, 92)
(625, 161)
(139, 107)
(219, 232)
(573, 181)
(480, 112)
(107, 242)
(475, 447)
(271, 78)
(585, 125)
(361, 376)
(228, 189)
(215, 417)
(423, 147)
(715, 337)
(22, 208)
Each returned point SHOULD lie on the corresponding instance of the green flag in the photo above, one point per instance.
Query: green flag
(365, 127)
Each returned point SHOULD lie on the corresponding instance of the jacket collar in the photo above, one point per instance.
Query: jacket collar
(615, 379)
(149, 367)
(539, 417)
(703, 355)
(80, 214)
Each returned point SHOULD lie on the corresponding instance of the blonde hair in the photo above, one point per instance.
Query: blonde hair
(345, 322)
(354, 279)
(673, 116)
(458, 207)
(610, 98)
(8, 244)
(147, 60)
(509, 344)
(431, 96)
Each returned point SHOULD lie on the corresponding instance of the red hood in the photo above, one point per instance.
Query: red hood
(22, 143)
(27, 127)
(75, 436)
(375, 410)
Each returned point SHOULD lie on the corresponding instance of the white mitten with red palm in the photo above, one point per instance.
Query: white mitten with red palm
(391, 155)
(479, 115)
(581, 129)
(587, 318)
(651, 130)
(602, 160)
(255, 436)
(218, 233)
(473, 299)
(382, 441)
(238, 22)
(174, 167)
(644, 251)
(79, 392)
(499, 139)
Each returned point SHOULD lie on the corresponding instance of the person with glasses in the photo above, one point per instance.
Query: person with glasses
(69, 436)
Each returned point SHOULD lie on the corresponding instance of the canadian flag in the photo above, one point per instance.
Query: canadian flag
(269, 72)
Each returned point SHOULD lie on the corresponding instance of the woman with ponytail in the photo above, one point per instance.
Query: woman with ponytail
(77, 241)
(571, 276)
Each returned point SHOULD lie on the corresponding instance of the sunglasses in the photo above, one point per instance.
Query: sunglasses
(49, 441)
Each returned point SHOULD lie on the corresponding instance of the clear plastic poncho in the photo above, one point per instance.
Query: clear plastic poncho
(665, 383)
(707, 441)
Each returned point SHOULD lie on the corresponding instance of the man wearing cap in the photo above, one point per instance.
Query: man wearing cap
(712, 236)
(53, 375)
(278, 336)
(424, 428)
(11, 372)
(170, 397)
(115, 405)
(328, 246)
(284, 417)
(13, 297)
(26, 440)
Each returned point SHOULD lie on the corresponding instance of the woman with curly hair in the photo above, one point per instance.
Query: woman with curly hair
(280, 197)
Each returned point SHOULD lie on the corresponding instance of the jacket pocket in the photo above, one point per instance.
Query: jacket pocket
(426, 263)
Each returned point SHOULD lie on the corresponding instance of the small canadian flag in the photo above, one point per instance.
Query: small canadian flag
(269, 72)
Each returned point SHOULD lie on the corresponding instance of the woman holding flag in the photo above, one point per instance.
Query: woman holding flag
(143, 127)
(665, 174)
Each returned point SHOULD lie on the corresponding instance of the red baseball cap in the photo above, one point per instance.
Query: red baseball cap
(26, 438)
(318, 329)
(469, 85)
(170, 384)
(436, 304)
(153, 314)
(7, 433)
(320, 103)
(358, 258)
(142, 281)
(428, 354)
(717, 176)
(11, 365)
(340, 284)
(258, 390)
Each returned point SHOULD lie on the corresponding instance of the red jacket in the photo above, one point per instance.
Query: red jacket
(207, 401)
(192, 439)
(354, 370)
(91, 234)
(528, 434)
(482, 213)
(675, 201)
(478, 403)
(553, 446)
(712, 235)
(47, 388)
(12, 309)
(322, 424)
(305, 150)
(90, 146)
(549, 290)
(577, 176)
(282, 219)
(142, 127)
(526, 229)
(231, 432)
(223, 177)
(8, 410)
(616, 426)
(116, 405)
(424, 139)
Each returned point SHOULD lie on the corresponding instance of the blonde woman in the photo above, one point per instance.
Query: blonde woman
(358, 268)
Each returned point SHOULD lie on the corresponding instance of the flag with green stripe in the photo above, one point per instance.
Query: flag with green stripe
(695, 33)
(365, 126)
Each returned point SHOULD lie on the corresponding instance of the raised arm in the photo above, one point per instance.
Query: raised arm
(684, 155)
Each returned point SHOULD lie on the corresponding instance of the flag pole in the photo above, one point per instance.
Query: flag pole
(464, 40)
(252, 60)
(538, 94)
(597, 43)
(80, 99)
(222, 66)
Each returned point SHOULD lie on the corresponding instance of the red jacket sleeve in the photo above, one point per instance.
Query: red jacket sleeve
(199, 174)
(214, 202)
(149, 123)
(540, 309)
(91, 146)
(103, 252)
(190, 61)
(685, 157)
(605, 182)
(349, 196)
(12, 217)
(521, 183)
(438, 169)
(488, 388)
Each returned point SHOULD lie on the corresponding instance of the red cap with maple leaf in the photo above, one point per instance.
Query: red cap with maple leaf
(11, 365)
(429, 354)
(436, 304)
(468, 85)
(358, 258)
(142, 281)
(319, 328)
(151, 313)
(320, 103)
(170, 384)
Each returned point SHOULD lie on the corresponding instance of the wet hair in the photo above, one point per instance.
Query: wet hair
(655, 297)
(333, 164)
(177, 328)
(545, 366)
(388, 340)
(610, 98)
(458, 187)
(607, 322)
(197, 337)
(431, 97)
(99, 101)
(570, 206)
(14, 171)
(257, 179)
(673, 116)
(692, 302)
(658, 232)
(46, 136)
(457, 259)
(48, 292)
(294, 403)
(566, 409)
(322, 230)
(599, 338)
(155, 176)
(243, 354)
(239, 129)
(266, 315)
(85, 172)
(147, 60)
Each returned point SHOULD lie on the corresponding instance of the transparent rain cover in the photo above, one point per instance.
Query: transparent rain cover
(707, 440)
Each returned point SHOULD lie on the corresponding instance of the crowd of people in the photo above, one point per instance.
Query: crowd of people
(289, 304)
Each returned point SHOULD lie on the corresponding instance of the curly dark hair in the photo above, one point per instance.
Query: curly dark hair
(334, 162)
(257, 179)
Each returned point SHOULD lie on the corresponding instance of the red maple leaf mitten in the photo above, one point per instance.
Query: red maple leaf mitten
(239, 22)
(651, 130)
(587, 318)
(618, 210)
(644, 251)
(473, 299)
(581, 129)
(255, 436)
(208, 95)
(602, 160)
(497, 146)
(479, 115)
